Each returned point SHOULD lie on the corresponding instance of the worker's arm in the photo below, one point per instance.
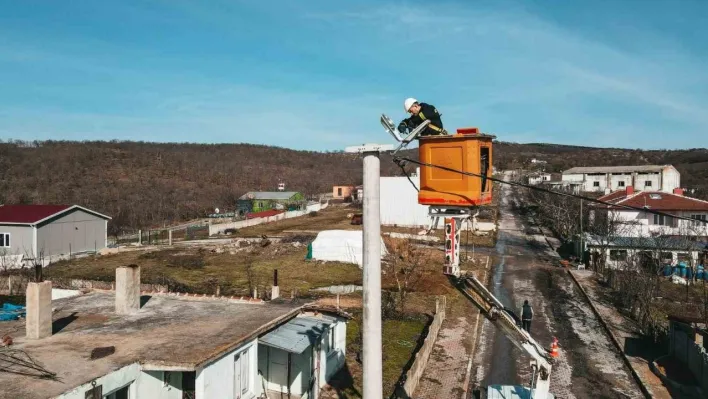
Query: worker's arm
(406, 124)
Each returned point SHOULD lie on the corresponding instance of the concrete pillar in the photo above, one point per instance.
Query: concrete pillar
(275, 289)
(372, 340)
(127, 289)
(39, 310)
(169, 237)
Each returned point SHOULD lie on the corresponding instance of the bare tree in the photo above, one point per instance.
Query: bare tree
(560, 214)
(404, 265)
(605, 227)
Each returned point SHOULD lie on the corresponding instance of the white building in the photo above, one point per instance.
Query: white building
(609, 178)
(645, 224)
(399, 202)
(538, 178)
(623, 251)
(400, 207)
(177, 346)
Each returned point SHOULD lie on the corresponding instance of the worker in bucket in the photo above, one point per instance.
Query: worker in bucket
(419, 113)
(526, 316)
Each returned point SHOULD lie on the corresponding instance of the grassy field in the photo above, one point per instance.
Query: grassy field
(401, 337)
(234, 270)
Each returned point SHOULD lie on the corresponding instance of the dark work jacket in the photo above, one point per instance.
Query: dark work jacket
(427, 111)
(526, 312)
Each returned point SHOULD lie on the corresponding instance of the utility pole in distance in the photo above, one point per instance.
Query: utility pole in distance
(371, 326)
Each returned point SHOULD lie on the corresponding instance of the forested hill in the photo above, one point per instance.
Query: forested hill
(145, 184)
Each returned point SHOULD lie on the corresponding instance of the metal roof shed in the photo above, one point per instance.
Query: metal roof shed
(298, 334)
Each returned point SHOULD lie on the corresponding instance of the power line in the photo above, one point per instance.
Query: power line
(530, 187)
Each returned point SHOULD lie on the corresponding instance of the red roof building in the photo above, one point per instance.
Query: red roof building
(639, 223)
(48, 231)
(29, 214)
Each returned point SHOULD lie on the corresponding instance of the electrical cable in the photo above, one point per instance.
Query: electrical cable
(530, 187)
(403, 169)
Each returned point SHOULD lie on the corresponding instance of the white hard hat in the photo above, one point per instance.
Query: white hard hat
(409, 103)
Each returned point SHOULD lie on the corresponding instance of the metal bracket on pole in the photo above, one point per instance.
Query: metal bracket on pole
(388, 124)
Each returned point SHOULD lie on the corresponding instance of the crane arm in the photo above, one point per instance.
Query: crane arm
(503, 319)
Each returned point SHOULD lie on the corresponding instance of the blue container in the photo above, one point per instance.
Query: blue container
(667, 270)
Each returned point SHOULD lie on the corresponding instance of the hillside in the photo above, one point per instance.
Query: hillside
(144, 184)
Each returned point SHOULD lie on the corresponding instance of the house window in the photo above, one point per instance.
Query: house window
(618, 254)
(647, 183)
(596, 184)
(242, 374)
(666, 257)
(663, 220)
(697, 218)
(123, 393)
(339, 192)
(330, 342)
(189, 379)
(4, 240)
(620, 184)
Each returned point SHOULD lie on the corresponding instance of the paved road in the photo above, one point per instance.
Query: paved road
(588, 365)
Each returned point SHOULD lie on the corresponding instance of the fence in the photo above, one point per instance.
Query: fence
(17, 285)
(414, 374)
(220, 228)
(685, 349)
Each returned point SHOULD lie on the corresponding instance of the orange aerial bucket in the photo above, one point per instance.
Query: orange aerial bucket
(468, 150)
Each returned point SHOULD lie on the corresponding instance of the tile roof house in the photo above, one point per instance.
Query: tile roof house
(644, 224)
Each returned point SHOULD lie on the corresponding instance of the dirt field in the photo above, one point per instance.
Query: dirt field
(234, 269)
(336, 217)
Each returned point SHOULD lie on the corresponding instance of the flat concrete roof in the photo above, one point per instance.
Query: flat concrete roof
(178, 333)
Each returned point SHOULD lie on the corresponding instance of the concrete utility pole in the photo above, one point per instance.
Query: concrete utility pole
(371, 329)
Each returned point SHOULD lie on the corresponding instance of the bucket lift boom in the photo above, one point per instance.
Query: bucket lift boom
(502, 318)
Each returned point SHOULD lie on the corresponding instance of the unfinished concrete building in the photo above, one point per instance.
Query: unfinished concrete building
(128, 344)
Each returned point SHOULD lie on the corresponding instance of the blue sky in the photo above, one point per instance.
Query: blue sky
(317, 75)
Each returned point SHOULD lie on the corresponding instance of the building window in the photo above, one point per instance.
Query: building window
(330, 342)
(242, 375)
(339, 192)
(4, 240)
(647, 183)
(123, 393)
(697, 218)
(663, 220)
(596, 184)
(618, 254)
(620, 184)
(189, 379)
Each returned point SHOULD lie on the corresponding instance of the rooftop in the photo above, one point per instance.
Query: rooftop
(616, 169)
(169, 331)
(268, 195)
(32, 214)
(656, 200)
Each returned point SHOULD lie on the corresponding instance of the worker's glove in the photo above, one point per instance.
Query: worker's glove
(402, 127)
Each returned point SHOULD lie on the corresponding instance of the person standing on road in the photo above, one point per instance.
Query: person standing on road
(526, 316)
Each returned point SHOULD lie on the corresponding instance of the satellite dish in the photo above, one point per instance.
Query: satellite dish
(216, 210)
(250, 196)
